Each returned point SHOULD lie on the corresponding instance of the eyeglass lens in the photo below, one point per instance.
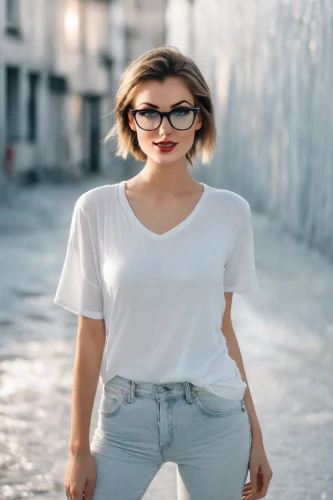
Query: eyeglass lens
(181, 119)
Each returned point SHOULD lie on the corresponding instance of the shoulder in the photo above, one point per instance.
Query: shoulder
(229, 201)
(92, 200)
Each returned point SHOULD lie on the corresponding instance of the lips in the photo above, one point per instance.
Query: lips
(165, 143)
(166, 146)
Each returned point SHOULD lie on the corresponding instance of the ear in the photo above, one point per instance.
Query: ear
(198, 121)
(131, 121)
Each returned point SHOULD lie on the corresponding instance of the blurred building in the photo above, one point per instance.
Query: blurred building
(145, 26)
(55, 74)
(137, 26)
(60, 64)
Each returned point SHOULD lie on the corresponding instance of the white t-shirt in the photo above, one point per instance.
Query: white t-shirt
(161, 295)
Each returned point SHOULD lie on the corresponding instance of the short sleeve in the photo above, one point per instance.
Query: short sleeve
(240, 274)
(79, 289)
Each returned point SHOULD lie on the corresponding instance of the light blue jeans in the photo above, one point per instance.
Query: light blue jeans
(143, 425)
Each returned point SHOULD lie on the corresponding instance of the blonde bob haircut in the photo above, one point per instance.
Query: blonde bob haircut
(158, 64)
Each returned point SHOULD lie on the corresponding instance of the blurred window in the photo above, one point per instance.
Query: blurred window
(12, 102)
(12, 12)
(32, 107)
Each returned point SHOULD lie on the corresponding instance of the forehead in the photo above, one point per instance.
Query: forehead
(163, 94)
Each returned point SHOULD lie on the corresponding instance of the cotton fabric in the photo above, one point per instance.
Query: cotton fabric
(161, 295)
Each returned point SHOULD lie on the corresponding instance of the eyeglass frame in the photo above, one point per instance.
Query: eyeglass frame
(162, 114)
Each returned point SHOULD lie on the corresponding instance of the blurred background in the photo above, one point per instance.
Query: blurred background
(269, 66)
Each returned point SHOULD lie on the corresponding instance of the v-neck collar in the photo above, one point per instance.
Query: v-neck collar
(148, 232)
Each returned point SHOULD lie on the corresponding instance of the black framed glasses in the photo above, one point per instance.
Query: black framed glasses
(151, 119)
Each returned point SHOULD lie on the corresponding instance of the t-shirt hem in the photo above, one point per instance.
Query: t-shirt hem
(237, 289)
(225, 392)
(84, 312)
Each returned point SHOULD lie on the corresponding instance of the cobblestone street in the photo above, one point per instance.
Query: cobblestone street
(285, 334)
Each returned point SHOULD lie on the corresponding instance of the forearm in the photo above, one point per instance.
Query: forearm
(90, 345)
(235, 354)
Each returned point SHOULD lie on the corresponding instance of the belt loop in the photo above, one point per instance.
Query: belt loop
(188, 394)
(132, 391)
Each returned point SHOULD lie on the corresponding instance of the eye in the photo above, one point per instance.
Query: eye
(181, 111)
(148, 113)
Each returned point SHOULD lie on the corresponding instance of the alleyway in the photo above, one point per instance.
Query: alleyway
(285, 335)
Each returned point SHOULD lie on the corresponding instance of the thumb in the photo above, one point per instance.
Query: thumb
(253, 480)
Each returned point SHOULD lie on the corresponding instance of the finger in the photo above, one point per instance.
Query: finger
(247, 494)
(247, 489)
(253, 480)
(76, 494)
(89, 490)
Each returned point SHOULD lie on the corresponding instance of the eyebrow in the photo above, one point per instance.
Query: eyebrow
(157, 107)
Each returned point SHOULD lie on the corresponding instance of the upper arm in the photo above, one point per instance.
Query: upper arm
(226, 320)
(94, 329)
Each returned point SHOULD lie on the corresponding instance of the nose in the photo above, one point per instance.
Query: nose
(165, 127)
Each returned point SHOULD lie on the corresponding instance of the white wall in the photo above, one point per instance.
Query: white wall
(268, 63)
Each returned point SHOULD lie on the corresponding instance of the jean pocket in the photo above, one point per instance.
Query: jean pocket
(212, 405)
(111, 402)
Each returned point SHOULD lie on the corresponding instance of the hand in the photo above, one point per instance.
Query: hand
(80, 476)
(260, 473)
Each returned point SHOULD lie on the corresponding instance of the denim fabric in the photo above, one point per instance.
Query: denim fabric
(143, 425)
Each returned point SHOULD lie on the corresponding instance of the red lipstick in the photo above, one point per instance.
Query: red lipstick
(166, 146)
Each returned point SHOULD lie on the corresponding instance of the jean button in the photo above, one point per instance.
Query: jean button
(160, 390)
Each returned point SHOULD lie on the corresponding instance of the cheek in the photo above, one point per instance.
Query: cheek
(188, 138)
(144, 138)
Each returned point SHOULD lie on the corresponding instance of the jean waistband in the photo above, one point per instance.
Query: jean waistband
(130, 388)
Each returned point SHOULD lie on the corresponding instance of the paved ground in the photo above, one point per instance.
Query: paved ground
(285, 334)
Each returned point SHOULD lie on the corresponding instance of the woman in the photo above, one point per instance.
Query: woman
(151, 267)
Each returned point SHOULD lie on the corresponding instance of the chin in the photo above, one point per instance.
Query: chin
(166, 158)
